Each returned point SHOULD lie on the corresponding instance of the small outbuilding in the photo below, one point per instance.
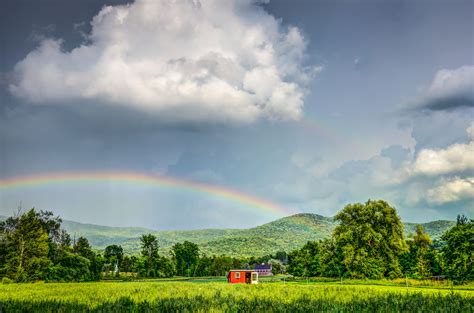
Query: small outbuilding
(242, 277)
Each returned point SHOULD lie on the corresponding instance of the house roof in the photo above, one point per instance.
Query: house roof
(241, 270)
(262, 267)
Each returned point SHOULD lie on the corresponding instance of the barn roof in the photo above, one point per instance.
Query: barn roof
(263, 266)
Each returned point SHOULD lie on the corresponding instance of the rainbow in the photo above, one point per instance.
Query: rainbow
(143, 179)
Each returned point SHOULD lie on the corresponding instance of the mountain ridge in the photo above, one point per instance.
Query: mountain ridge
(287, 233)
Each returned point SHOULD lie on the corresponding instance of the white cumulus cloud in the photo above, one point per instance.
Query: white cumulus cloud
(452, 190)
(456, 158)
(182, 60)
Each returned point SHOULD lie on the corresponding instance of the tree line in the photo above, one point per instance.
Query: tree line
(367, 243)
(34, 247)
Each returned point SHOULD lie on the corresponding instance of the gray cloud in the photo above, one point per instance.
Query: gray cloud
(450, 89)
(397, 155)
(439, 129)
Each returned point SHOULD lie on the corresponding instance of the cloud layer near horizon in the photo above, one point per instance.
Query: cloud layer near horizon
(183, 61)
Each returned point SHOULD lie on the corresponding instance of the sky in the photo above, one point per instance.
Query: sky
(236, 112)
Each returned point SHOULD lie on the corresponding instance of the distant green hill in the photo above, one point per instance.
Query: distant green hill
(101, 236)
(435, 229)
(286, 234)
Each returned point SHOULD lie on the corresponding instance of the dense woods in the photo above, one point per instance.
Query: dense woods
(368, 242)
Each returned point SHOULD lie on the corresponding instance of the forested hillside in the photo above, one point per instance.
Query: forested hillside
(285, 234)
(435, 229)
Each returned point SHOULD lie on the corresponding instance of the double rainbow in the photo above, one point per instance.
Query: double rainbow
(143, 179)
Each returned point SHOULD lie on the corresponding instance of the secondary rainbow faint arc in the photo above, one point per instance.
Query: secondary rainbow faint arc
(146, 179)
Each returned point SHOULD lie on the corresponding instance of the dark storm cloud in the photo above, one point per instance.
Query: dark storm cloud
(450, 103)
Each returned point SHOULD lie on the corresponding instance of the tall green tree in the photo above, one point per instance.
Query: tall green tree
(282, 256)
(422, 258)
(221, 264)
(34, 247)
(3, 249)
(127, 264)
(96, 262)
(149, 246)
(459, 250)
(166, 267)
(114, 252)
(331, 259)
(407, 259)
(186, 257)
(113, 255)
(70, 267)
(422, 242)
(26, 246)
(370, 236)
(97, 266)
(83, 248)
(305, 262)
(149, 250)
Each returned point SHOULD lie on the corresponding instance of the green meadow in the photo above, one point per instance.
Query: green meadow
(363, 267)
(218, 296)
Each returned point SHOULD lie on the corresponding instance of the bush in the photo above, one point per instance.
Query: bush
(6, 280)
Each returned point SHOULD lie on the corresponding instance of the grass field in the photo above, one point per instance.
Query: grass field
(217, 296)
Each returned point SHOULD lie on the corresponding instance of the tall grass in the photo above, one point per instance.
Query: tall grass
(217, 297)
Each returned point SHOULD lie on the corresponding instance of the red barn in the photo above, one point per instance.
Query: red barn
(242, 277)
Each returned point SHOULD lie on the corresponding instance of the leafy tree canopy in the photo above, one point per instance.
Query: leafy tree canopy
(370, 236)
(459, 250)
